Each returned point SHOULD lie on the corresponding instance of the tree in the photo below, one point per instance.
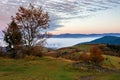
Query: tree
(96, 56)
(12, 36)
(32, 21)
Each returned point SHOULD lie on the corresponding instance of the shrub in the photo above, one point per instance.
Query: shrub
(84, 57)
(53, 54)
(96, 56)
(34, 51)
(75, 56)
(1, 52)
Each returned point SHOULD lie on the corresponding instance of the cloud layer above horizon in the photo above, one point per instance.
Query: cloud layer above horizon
(59, 10)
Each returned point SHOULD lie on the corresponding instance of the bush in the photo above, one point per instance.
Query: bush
(52, 54)
(75, 56)
(33, 51)
(36, 51)
(84, 57)
(1, 52)
(96, 56)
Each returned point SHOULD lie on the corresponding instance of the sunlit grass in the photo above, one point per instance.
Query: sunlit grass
(46, 68)
(83, 47)
(112, 62)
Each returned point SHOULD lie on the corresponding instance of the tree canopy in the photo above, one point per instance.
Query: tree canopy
(12, 35)
(32, 22)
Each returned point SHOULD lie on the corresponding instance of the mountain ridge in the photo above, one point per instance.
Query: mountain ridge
(113, 40)
(68, 35)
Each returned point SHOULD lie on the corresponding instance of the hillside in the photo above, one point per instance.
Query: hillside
(48, 68)
(59, 67)
(106, 40)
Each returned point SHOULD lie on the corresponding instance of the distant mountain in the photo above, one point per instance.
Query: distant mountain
(106, 40)
(67, 35)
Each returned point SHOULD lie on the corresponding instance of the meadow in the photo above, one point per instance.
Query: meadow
(49, 68)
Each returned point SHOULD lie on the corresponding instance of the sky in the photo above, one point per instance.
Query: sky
(70, 16)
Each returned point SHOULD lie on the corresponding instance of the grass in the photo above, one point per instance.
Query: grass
(112, 62)
(46, 68)
(83, 47)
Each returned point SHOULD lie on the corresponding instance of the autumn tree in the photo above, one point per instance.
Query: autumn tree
(33, 22)
(12, 36)
(96, 56)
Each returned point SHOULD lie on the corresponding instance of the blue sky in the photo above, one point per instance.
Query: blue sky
(71, 16)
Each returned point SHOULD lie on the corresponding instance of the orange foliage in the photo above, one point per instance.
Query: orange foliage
(84, 57)
(96, 56)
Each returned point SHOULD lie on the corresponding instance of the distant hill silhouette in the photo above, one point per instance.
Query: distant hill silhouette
(68, 35)
(106, 40)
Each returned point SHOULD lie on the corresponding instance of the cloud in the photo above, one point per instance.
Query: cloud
(54, 25)
(78, 7)
(58, 9)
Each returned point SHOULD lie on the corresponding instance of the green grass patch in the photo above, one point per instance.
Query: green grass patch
(112, 62)
(83, 47)
(46, 68)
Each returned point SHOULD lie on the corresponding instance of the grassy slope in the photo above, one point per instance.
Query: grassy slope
(83, 47)
(46, 68)
(112, 62)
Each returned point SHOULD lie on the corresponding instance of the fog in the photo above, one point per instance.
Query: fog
(66, 42)
(60, 42)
